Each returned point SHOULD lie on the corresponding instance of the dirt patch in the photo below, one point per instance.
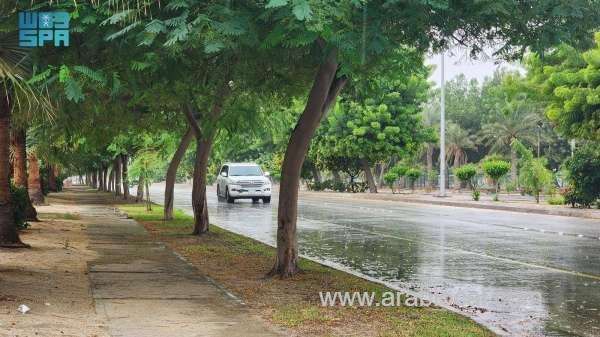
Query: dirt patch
(50, 278)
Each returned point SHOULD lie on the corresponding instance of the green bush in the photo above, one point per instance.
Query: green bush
(338, 186)
(412, 174)
(315, 186)
(466, 173)
(511, 186)
(399, 170)
(495, 169)
(535, 177)
(584, 176)
(390, 179)
(357, 187)
(556, 200)
(19, 199)
(327, 185)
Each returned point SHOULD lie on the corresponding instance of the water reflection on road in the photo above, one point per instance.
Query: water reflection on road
(521, 274)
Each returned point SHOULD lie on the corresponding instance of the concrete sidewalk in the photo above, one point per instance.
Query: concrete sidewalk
(144, 289)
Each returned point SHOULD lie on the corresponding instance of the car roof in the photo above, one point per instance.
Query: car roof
(241, 164)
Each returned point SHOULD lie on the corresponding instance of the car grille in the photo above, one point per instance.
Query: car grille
(250, 183)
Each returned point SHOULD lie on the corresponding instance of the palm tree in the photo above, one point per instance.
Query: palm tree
(458, 140)
(517, 121)
(16, 95)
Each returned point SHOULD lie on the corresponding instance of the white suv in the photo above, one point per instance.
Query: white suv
(243, 181)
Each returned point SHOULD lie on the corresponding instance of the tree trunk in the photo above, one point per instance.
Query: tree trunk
(117, 169)
(172, 172)
(148, 202)
(336, 177)
(111, 180)
(57, 178)
(101, 179)
(315, 172)
(323, 93)
(9, 237)
(369, 176)
(18, 141)
(124, 160)
(381, 167)
(51, 178)
(203, 148)
(200, 206)
(140, 190)
(513, 166)
(429, 165)
(105, 177)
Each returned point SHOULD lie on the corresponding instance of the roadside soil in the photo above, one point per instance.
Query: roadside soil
(50, 278)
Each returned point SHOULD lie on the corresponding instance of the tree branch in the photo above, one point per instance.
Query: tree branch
(190, 114)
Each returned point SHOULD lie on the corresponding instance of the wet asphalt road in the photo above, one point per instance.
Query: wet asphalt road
(520, 274)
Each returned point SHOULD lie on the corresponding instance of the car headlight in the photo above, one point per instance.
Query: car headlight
(235, 187)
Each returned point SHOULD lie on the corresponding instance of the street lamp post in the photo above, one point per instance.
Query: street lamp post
(540, 124)
(442, 133)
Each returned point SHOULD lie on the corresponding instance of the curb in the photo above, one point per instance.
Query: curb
(559, 212)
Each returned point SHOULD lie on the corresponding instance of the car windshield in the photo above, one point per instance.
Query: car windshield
(250, 170)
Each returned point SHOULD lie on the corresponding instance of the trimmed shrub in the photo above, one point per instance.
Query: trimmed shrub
(495, 169)
(390, 179)
(412, 174)
(19, 201)
(399, 170)
(466, 173)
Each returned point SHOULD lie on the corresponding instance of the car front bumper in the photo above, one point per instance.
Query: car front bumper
(262, 192)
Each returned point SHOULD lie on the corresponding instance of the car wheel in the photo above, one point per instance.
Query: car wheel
(230, 200)
(219, 197)
(266, 200)
(255, 200)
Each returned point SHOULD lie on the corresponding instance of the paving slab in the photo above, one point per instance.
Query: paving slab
(142, 289)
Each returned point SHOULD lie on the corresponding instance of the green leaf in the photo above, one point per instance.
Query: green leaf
(302, 10)
(177, 4)
(122, 31)
(155, 26)
(64, 74)
(73, 90)
(118, 17)
(213, 47)
(90, 74)
(276, 3)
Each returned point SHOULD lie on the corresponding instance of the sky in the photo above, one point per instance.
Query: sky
(457, 62)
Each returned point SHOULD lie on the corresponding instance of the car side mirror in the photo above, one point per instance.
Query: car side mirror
(267, 174)
(223, 174)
